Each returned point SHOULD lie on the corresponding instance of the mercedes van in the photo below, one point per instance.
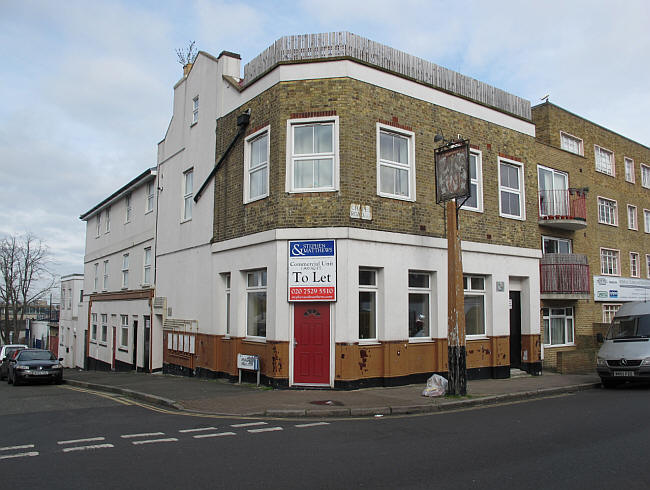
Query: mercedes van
(625, 353)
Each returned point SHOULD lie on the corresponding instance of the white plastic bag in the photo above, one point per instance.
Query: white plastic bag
(436, 386)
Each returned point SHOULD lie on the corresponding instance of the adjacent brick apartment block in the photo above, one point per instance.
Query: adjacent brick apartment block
(325, 149)
(119, 281)
(594, 215)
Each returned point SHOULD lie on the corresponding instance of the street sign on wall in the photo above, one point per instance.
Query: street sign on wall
(312, 270)
(611, 288)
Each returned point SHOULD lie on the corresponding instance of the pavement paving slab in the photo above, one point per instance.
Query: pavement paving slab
(220, 396)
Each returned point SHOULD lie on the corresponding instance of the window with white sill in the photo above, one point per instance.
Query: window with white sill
(474, 290)
(395, 163)
(367, 305)
(312, 154)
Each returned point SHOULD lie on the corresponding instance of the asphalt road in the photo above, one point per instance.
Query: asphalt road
(57, 437)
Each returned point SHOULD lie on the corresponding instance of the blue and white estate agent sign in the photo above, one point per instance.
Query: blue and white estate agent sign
(312, 270)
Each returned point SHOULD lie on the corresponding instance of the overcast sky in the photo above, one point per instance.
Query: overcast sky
(86, 85)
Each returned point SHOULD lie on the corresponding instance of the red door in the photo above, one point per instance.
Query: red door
(311, 359)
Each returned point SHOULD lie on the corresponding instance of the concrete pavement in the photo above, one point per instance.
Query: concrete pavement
(224, 398)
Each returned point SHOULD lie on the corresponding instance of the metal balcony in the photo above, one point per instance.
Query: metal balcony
(564, 276)
(565, 209)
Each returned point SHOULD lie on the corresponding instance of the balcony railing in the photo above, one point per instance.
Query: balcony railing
(564, 274)
(563, 204)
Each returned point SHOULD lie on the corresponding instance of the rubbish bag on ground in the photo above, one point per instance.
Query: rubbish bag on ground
(436, 386)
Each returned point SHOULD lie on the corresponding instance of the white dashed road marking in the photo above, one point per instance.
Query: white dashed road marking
(218, 434)
(153, 441)
(249, 424)
(266, 429)
(77, 441)
(146, 434)
(19, 455)
(13, 448)
(200, 429)
(86, 448)
(313, 424)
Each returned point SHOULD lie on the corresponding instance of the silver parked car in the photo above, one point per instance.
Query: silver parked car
(625, 353)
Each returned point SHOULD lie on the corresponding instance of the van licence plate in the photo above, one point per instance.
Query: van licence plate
(623, 373)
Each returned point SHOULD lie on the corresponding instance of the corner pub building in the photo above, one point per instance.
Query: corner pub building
(298, 218)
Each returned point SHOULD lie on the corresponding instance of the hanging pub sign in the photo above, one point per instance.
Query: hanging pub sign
(312, 270)
(452, 171)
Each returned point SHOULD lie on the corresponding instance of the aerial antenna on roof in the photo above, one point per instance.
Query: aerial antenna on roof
(545, 98)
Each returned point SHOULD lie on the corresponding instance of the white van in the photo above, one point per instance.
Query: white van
(625, 353)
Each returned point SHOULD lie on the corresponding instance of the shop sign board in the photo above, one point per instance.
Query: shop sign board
(312, 270)
(609, 288)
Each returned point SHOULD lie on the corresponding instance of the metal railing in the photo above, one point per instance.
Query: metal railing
(563, 204)
(564, 274)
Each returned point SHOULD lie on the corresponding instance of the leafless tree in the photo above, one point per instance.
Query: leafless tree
(25, 278)
(186, 56)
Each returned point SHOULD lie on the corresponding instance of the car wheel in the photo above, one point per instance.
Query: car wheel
(608, 384)
(15, 381)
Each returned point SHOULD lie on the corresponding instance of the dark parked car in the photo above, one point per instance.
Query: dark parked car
(8, 352)
(34, 364)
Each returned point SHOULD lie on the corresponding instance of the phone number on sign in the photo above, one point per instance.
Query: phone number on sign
(312, 293)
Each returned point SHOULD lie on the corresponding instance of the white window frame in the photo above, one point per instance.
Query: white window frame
(127, 208)
(99, 224)
(610, 168)
(93, 327)
(632, 222)
(195, 110)
(96, 279)
(291, 124)
(227, 277)
(107, 226)
(645, 176)
(606, 210)
(520, 192)
(468, 290)
(421, 291)
(629, 170)
(260, 286)
(188, 195)
(558, 203)
(374, 290)
(575, 139)
(146, 267)
(607, 259)
(105, 282)
(478, 182)
(409, 167)
(550, 313)
(149, 197)
(635, 264)
(646, 220)
(104, 337)
(609, 310)
(125, 271)
(124, 329)
(248, 172)
(556, 239)
(647, 265)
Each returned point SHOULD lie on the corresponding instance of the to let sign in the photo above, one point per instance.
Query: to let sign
(312, 270)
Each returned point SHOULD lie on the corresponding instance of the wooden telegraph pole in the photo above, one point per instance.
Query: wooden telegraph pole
(452, 185)
(455, 308)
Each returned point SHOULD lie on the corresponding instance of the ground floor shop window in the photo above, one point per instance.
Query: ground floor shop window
(93, 327)
(474, 287)
(124, 331)
(367, 304)
(104, 328)
(609, 310)
(558, 326)
(256, 303)
(419, 305)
